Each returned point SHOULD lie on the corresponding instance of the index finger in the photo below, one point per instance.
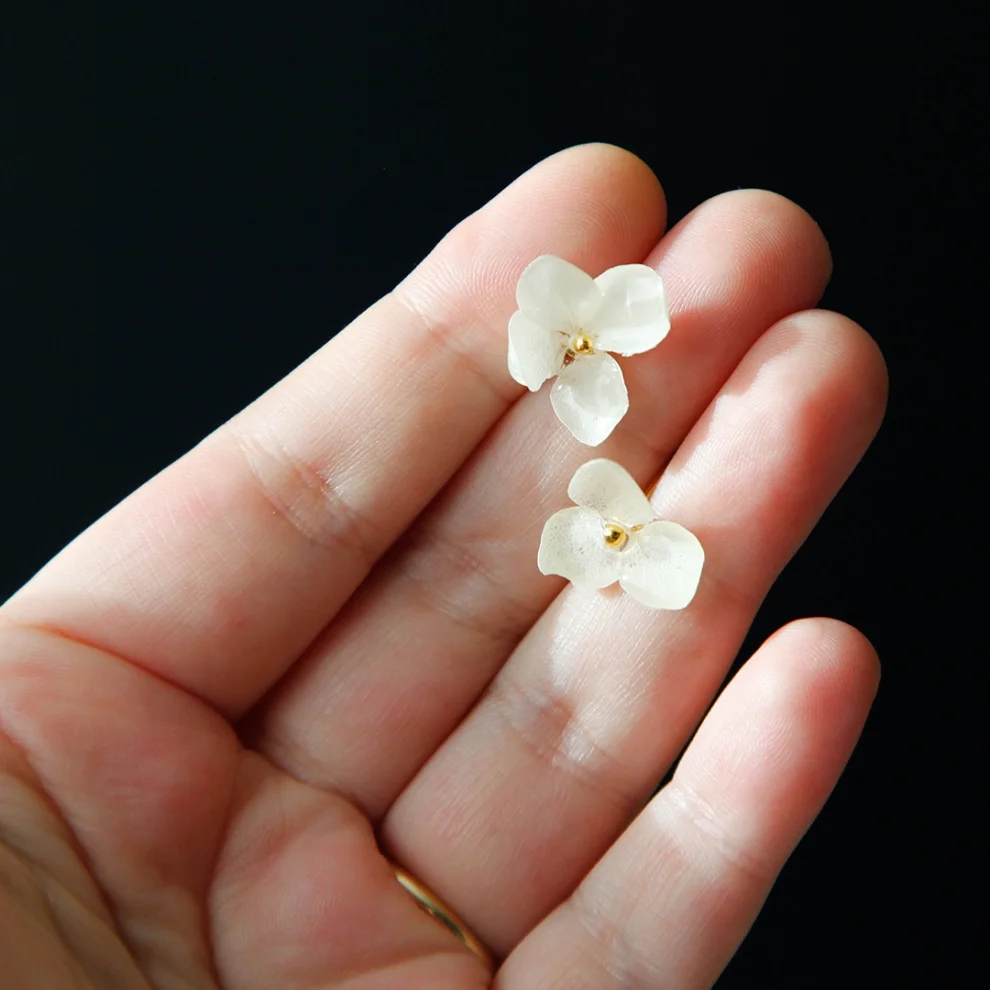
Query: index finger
(218, 572)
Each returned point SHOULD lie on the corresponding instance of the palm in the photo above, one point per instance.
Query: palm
(322, 635)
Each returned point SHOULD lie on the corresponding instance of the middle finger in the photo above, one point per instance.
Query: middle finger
(411, 653)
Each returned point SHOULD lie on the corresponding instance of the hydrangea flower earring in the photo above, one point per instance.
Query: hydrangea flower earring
(611, 535)
(565, 325)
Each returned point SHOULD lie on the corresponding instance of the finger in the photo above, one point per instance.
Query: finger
(217, 573)
(671, 901)
(401, 666)
(602, 694)
(302, 899)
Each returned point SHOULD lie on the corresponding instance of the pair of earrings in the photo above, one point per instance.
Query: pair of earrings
(565, 327)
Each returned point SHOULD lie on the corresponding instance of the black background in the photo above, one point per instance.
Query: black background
(194, 201)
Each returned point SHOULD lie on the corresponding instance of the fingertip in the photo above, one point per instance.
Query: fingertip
(787, 228)
(778, 208)
(849, 364)
(833, 653)
(849, 647)
(615, 160)
(629, 167)
(869, 360)
(635, 199)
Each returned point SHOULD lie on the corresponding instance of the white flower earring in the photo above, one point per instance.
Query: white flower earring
(565, 324)
(611, 535)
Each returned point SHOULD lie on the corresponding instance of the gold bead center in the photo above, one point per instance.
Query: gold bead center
(581, 344)
(615, 536)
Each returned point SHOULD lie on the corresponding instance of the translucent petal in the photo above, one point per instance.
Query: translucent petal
(514, 368)
(535, 353)
(611, 491)
(573, 546)
(633, 316)
(589, 397)
(557, 294)
(661, 566)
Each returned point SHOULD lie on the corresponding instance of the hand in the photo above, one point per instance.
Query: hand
(322, 635)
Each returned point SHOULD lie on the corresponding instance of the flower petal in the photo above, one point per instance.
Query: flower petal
(514, 368)
(557, 294)
(633, 317)
(589, 397)
(535, 353)
(573, 546)
(661, 567)
(611, 491)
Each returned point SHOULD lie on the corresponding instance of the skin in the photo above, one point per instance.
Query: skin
(321, 636)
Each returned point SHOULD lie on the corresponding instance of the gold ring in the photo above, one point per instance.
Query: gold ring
(432, 905)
